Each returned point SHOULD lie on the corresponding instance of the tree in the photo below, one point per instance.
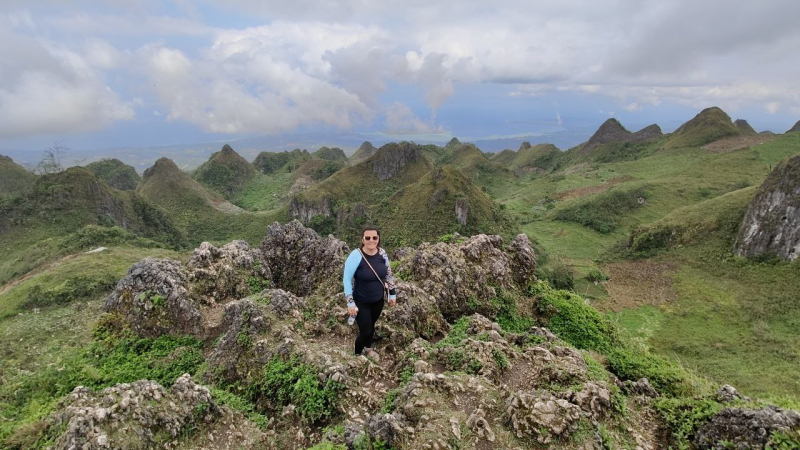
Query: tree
(51, 159)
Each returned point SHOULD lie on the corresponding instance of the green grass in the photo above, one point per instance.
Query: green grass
(111, 264)
(116, 173)
(264, 192)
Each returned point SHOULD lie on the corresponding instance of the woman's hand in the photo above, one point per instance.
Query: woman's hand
(392, 301)
(352, 311)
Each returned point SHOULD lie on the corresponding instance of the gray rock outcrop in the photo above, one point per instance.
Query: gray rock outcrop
(744, 429)
(771, 224)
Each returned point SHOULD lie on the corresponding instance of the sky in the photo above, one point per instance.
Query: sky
(132, 73)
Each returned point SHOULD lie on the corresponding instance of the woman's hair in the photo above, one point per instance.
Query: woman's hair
(369, 228)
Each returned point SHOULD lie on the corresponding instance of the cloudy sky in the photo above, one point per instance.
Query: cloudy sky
(141, 72)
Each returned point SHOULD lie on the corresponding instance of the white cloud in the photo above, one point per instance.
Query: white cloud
(48, 88)
(400, 120)
(772, 107)
(559, 122)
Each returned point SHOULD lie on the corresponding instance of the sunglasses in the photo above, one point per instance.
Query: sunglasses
(374, 238)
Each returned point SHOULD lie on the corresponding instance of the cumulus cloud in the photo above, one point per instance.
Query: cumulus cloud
(48, 88)
(400, 120)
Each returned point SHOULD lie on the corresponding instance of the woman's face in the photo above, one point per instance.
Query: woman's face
(370, 239)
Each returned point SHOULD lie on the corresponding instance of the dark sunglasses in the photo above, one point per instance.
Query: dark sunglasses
(374, 238)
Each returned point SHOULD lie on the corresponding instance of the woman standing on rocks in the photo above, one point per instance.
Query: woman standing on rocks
(368, 283)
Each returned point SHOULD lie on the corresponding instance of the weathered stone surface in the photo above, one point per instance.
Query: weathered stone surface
(153, 299)
(640, 387)
(745, 428)
(226, 273)
(727, 394)
(464, 277)
(523, 259)
(392, 158)
(132, 414)
(770, 225)
(300, 260)
(541, 416)
(233, 355)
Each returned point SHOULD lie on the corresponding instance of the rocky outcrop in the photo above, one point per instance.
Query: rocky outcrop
(392, 158)
(770, 224)
(300, 260)
(305, 210)
(153, 299)
(132, 415)
(230, 272)
(464, 277)
(524, 146)
(462, 211)
(743, 429)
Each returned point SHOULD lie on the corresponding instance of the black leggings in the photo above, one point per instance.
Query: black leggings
(368, 314)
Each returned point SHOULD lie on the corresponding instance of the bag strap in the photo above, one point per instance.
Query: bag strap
(370, 266)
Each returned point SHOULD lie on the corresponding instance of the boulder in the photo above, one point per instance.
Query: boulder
(770, 224)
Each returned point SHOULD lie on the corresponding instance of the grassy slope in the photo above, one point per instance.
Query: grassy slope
(32, 341)
(47, 221)
(203, 215)
(116, 173)
(264, 192)
(14, 179)
(732, 317)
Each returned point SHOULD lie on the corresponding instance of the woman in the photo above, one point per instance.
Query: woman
(366, 275)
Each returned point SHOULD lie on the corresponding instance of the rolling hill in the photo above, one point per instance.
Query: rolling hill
(116, 173)
(14, 179)
(225, 172)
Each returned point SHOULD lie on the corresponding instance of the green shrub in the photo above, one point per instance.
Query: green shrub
(784, 440)
(286, 381)
(684, 416)
(574, 321)
(632, 364)
(80, 287)
(561, 277)
(596, 276)
(509, 317)
(601, 213)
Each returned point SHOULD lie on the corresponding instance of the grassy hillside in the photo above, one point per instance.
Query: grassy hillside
(724, 316)
(52, 220)
(271, 162)
(473, 163)
(116, 173)
(363, 152)
(426, 210)
(225, 172)
(14, 179)
(200, 213)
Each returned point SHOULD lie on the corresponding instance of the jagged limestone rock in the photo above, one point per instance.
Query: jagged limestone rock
(464, 277)
(153, 299)
(770, 225)
(300, 260)
(541, 416)
(232, 271)
(130, 415)
(741, 428)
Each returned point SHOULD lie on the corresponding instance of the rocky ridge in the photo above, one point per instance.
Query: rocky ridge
(279, 309)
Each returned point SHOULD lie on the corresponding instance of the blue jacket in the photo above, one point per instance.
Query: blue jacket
(350, 267)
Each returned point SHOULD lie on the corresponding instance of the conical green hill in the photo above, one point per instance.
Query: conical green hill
(271, 162)
(174, 190)
(330, 154)
(116, 173)
(441, 202)
(795, 128)
(225, 172)
(709, 125)
(744, 127)
(14, 179)
(363, 152)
